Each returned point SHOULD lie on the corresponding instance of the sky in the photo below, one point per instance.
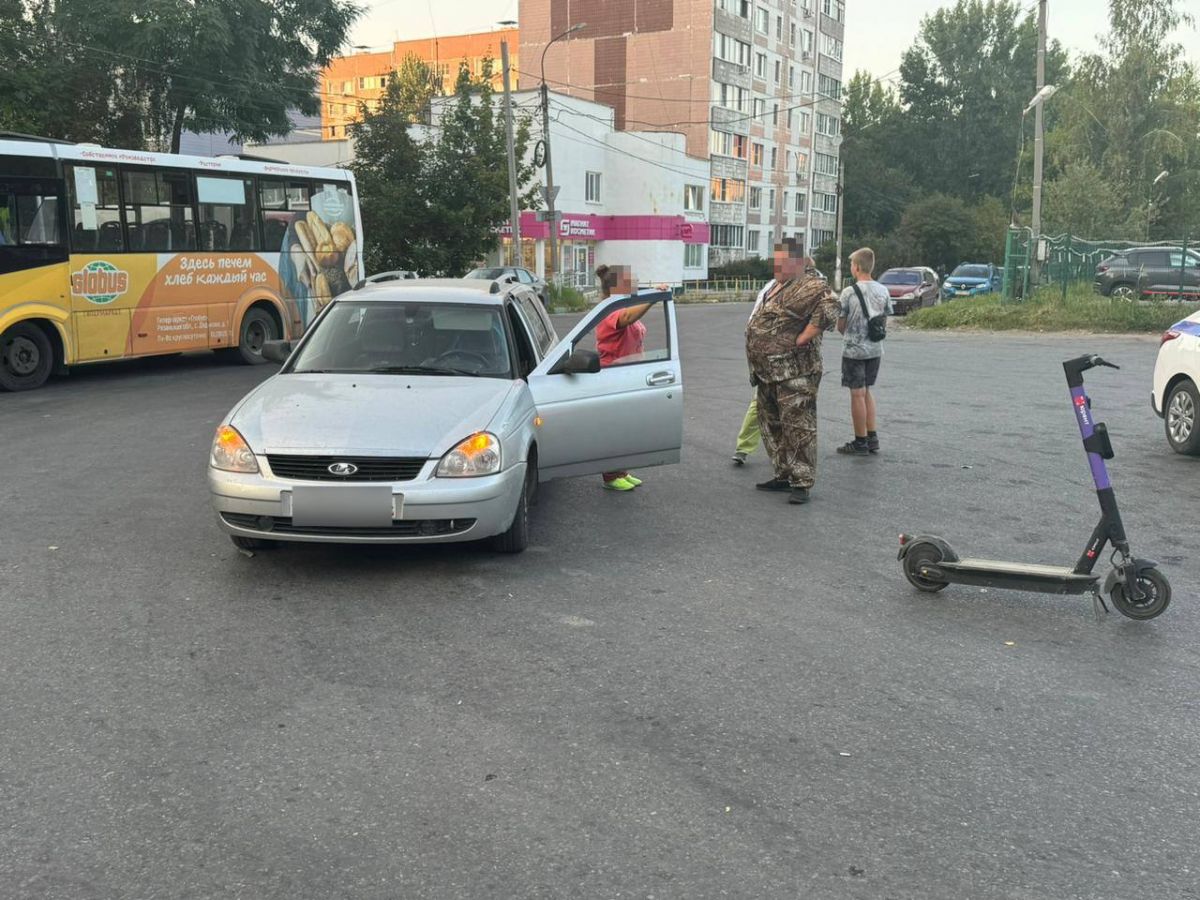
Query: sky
(877, 31)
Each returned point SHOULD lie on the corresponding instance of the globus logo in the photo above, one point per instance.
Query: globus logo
(99, 282)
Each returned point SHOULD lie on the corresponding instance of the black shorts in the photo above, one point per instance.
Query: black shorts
(859, 373)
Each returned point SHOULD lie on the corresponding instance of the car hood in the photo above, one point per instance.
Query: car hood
(899, 290)
(392, 415)
(963, 281)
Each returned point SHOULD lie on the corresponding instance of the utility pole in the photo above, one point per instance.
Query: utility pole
(550, 190)
(514, 209)
(1038, 146)
(837, 277)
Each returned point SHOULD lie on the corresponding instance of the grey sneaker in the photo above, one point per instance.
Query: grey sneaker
(739, 458)
(799, 496)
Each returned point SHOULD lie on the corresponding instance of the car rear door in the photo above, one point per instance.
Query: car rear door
(1151, 267)
(627, 415)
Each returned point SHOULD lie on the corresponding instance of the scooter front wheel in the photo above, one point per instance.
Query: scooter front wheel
(920, 554)
(1155, 596)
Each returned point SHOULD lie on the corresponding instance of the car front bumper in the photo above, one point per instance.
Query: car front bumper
(426, 510)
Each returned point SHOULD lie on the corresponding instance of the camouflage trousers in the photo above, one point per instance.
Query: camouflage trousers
(787, 416)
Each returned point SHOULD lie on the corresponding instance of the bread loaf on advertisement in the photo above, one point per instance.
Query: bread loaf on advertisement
(343, 236)
(320, 233)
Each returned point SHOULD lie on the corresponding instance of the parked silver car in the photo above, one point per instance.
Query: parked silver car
(418, 411)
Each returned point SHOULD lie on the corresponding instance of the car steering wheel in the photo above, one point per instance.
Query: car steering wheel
(466, 354)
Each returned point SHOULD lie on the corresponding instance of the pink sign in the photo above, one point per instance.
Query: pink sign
(590, 227)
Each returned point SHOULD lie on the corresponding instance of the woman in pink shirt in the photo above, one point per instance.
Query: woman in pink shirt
(620, 335)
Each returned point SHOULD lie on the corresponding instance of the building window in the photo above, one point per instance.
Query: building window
(831, 126)
(806, 46)
(774, 113)
(693, 197)
(737, 7)
(731, 49)
(792, 35)
(771, 201)
(821, 237)
(805, 122)
(779, 28)
(760, 65)
(760, 110)
(728, 190)
(800, 202)
(831, 46)
(756, 198)
(826, 164)
(752, 241)
(785, 202)
(835, 9)
(791, 77)
(801, 161)
(789, 119)
(693, 256)
(762, 20)
(592, 193)
(825, 202)
(726, 236)
(830, 87)
(774, 157)
(722, 143)
(756, 155)
(778, 69)
(730, 96)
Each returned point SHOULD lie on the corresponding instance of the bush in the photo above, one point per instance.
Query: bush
(1046, 310)
(756, 268)
(567, 297)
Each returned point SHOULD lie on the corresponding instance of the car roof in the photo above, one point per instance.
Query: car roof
(477, 291)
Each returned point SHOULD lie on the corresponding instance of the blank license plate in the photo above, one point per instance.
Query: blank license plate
(343, 505)
(964, 293)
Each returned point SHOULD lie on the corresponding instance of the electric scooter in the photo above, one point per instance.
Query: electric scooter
(1137, 588)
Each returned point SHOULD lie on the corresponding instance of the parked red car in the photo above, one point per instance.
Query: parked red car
(911, 288)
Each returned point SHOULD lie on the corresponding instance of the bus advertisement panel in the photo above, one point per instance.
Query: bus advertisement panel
(109, 254)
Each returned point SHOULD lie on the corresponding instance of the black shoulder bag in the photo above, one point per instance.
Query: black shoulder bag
(876, 325)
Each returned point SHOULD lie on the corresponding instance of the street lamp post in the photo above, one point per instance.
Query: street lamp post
(550, 189)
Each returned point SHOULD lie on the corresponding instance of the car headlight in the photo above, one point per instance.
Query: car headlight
(908, 296)
(231, 453)
(477, 455)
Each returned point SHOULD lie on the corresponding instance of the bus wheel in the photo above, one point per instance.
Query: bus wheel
(26, 357)
(258, 327)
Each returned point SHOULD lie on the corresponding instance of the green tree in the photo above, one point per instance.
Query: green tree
(877, 188)
(964, 85)
(435, 203)
(416, 87)
(940, 231)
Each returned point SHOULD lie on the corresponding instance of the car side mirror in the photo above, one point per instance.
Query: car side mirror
(577, 362)
(277, 351)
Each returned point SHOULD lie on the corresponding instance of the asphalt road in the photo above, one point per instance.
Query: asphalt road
(693, 691)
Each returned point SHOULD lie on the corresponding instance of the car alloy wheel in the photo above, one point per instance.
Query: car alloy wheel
(1122, 292)
(1181, 417)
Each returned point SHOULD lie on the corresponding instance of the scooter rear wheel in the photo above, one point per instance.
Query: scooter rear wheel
(919, 554)
(1155, 591)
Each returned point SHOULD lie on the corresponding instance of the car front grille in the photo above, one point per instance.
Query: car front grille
(399, 527)
(367, 468)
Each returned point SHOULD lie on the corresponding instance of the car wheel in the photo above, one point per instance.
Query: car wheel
(258, 327)
(516, 539)
(1180, 419)
(1122, 292)
(26, 357)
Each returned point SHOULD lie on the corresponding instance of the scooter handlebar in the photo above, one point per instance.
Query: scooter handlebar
(1099, 361)
(1080, 364)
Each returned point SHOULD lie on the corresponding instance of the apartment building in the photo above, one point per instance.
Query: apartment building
(349, 82)
(753, 85)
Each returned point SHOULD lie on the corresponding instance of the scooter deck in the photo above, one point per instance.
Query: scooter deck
(1017, 576)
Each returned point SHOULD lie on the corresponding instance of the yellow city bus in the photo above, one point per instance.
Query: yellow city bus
(114, 254)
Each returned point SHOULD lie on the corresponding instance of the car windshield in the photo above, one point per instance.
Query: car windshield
(970, 272)
(896, 276)
(489, 274)
(408, 338)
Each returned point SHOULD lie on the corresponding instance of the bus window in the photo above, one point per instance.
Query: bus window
(95, 209)
(29, 214)
(158, 211)
(298, 193)
(228, 219)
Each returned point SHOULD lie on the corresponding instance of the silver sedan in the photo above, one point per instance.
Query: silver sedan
(424, 412)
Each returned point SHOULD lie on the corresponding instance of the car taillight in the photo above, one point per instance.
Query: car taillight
(1168, 336)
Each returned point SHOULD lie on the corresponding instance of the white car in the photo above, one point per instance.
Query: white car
(428, 411)
(1176, 397)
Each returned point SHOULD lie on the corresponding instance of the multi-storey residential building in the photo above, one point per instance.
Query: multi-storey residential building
(348, 82)
(754, 85)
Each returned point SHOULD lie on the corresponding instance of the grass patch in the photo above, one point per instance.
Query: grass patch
(1046, 310)
(568, 298)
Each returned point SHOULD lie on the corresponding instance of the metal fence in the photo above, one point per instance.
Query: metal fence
(1064, 260)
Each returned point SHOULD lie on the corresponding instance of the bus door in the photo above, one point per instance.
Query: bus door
(99, 278)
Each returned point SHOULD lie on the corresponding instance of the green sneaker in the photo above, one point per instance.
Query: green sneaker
(636, 482)
(619, 484)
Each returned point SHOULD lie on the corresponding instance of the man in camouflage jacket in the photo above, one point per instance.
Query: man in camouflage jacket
(783, 347)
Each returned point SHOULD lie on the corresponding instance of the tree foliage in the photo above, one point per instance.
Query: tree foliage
(135, 74)
(453, 180)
